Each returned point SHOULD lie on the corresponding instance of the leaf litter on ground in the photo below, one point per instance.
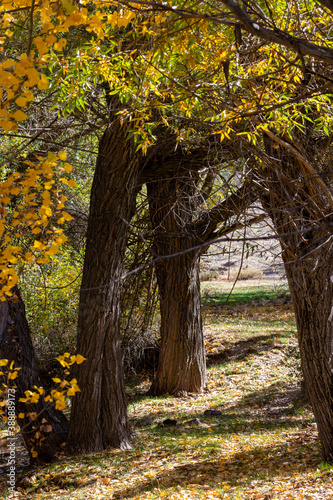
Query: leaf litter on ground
(263, 444)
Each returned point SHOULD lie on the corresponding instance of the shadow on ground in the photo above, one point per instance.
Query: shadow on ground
(243, 348)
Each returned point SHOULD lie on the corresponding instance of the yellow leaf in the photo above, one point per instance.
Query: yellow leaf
(52, 250)
(51, 39)
(45, 211)
(4, 113)
(68, 6)
(8, 63)
(34, 454)
(7, 79)
(12, 375)
(68, 168)
(56, 380)
(41, 45)
(58, 46)
(7, 125)
(62, 156)
(80, 359)
(51, 157)
(28, 95)
(61, 239)
(19, 116)
(21, 415)
(60, 405)
(66, 216)
(21, 101)
(3, 362)
(43, 83)
(29, 257)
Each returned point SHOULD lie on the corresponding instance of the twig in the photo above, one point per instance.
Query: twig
(31, 26)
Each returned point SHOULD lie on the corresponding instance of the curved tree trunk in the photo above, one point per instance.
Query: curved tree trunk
(47, 430)
(300, 204)
(99, 414)
(182, 361)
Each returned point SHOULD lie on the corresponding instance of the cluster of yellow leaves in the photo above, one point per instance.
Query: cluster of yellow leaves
(36, 215)
(22, 77)
(29, 70)
(66, 360)
(56, 398)
(16, 80)
(11, 373)
(65, 388)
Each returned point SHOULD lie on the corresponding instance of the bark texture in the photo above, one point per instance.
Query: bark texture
(300, 203)
(46, 433)
(99, 415)
(182, 361)
(180, 222)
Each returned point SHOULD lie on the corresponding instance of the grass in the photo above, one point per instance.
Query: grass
(218, 293)
(263, 445)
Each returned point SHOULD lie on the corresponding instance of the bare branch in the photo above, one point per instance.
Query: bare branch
(31, 26)
(299, 45)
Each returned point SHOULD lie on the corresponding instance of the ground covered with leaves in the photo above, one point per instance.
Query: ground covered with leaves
(251, 435)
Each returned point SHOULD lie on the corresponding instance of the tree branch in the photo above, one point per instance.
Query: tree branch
(299, 45)
(233, 205)
(305, 165)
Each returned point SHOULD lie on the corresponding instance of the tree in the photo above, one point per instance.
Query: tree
(113, 192)
(304, 223)
(44, 428)
(183, 227)
(297, 158)
(182, 361)
(266, 88)
(298, 172)
(99, 416)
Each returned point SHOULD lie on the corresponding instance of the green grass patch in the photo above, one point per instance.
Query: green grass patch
(221, 293)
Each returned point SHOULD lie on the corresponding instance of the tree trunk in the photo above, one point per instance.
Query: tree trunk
(311, 288)
(16, 346)
(182, 363)
(180, 223)
(300, 204)
(99, 414)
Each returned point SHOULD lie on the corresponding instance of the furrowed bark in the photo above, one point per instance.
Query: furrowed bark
(182, 362)
(303, 208)
(99, 415)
